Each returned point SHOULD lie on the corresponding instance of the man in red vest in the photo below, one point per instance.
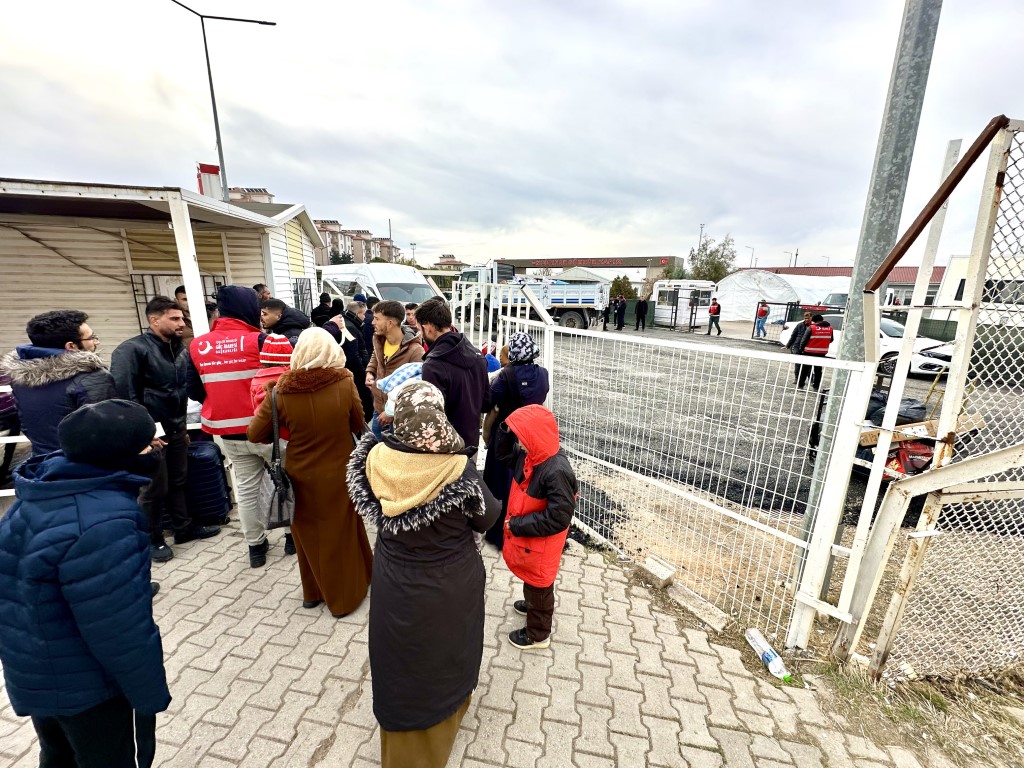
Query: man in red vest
(818, 337)
(222, 364)
(541, 503)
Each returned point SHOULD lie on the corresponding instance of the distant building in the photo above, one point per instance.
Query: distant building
(364, 248)
(249, 195)
(337, 241)
(388, 250)
(581, 275)
(448, 261)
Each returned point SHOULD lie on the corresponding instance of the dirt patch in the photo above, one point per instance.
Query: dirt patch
(972, 724)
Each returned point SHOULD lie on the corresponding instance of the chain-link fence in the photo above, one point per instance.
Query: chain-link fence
(779, 314)
(965, 614)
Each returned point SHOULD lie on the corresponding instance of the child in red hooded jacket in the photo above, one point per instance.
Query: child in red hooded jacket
(541, 504)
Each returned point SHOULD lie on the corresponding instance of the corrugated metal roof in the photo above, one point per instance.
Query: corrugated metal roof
(900, 275)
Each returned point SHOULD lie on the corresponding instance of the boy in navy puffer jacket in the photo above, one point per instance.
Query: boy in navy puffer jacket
(81, 653)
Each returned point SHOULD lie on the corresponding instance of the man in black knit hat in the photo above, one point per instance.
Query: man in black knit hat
(80, 650)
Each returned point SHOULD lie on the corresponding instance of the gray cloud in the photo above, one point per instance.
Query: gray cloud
(609, 125)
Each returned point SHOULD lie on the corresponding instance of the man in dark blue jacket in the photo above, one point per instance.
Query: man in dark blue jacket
(456, 367)
(150, 369)
(56, 374)
(81, 653)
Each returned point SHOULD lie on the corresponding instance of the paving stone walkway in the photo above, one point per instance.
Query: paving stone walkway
(259, 681)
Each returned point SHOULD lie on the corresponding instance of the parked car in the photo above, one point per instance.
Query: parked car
(930, 357)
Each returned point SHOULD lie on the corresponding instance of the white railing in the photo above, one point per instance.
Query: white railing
(699, 454)
(22, 439)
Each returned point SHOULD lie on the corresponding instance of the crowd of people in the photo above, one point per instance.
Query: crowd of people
(379, 408)
(616, 309)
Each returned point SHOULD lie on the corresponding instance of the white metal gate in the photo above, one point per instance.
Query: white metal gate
(956, 608)
(699, 454)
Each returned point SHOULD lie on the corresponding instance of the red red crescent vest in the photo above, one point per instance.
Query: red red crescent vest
(227, 358)
(534, 559)
(821, 337)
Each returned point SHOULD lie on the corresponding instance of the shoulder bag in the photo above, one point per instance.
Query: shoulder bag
(281, 506)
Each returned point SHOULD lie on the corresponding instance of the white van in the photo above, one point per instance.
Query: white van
(388, 282)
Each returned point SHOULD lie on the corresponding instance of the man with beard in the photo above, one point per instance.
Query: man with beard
(455, 367)
(150, 369)
(56, 373)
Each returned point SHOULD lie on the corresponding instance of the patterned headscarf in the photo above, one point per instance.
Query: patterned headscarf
(420, 422)
(522, 348)
(316, 348)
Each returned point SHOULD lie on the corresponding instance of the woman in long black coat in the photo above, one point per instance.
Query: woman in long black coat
(521, 382)
(421, 489)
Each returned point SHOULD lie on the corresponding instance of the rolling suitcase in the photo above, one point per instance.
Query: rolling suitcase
(206, 493)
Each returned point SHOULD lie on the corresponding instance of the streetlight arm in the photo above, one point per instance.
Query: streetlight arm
(223, 18)
(232, 18)
(197, 13)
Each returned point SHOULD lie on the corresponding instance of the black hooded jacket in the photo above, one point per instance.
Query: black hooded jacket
(322, 314)
(291, 324)
(458, 369)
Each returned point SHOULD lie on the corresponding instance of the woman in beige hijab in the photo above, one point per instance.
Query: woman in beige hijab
(420, 487)
(318, 404)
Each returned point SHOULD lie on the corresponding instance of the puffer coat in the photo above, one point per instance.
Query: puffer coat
(76, 609)
(48, 384)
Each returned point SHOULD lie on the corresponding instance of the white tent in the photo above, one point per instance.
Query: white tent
(740, 292)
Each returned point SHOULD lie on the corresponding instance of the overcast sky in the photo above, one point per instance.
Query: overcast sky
(498, 129)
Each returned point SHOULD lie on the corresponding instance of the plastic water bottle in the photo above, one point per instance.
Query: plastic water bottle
(767, 654)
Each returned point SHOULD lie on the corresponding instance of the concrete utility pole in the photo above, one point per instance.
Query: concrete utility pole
(880, 226)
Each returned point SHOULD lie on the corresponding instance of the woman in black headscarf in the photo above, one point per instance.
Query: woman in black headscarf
(521, 382)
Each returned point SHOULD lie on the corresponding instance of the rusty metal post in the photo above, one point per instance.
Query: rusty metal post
(884, 206)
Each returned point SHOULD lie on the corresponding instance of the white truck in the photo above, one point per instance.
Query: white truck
(395, 282)
(573, 305)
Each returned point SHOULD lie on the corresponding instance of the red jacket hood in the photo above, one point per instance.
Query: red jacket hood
(537, 430)
(270, 373)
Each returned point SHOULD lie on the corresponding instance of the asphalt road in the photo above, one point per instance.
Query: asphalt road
(735, 428)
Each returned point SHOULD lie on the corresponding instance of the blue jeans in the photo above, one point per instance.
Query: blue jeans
(759, 329)
(377, 429)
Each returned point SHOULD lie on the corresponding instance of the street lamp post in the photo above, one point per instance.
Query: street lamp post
(788, 253)
(413, 246)
(213, 96)
(751, 254)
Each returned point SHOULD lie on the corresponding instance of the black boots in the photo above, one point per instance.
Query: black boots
(289, 544)
(258, 554)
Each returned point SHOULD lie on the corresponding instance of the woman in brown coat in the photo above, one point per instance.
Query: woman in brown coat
(318, 403)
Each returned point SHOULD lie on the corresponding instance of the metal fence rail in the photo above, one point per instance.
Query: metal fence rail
(697, 454)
